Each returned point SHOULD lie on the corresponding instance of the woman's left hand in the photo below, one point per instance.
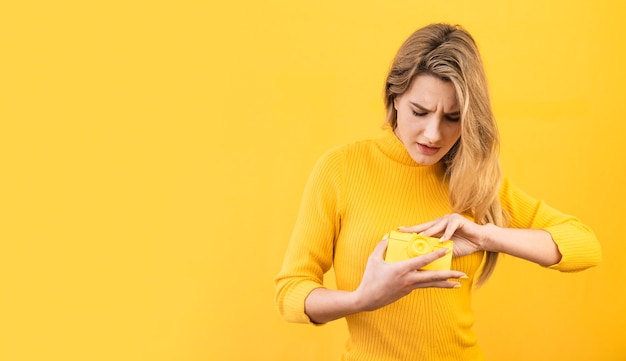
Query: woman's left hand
(468, 236)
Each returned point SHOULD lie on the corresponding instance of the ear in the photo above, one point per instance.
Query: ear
(395, 102)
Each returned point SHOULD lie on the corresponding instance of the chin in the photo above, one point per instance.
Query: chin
(426, 161)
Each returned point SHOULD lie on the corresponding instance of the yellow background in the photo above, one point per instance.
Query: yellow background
(153, 154)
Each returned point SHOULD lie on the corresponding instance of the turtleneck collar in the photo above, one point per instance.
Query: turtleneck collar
(393, 148)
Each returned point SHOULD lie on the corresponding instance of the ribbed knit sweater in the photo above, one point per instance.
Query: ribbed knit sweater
(359, 192)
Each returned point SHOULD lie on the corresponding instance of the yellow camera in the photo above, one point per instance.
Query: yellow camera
(403, 246)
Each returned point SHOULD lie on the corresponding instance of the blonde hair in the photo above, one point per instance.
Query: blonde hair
(472, 168)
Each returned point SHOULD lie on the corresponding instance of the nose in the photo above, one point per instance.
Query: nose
(432, 128)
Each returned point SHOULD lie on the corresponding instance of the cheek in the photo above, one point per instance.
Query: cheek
(455, 131)
(402, 121)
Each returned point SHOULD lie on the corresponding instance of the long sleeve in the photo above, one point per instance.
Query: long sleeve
(310, 251)
(577, 243)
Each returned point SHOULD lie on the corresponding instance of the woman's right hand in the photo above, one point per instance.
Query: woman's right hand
(384, 282)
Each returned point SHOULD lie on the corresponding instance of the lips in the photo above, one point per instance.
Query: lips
(426, 150)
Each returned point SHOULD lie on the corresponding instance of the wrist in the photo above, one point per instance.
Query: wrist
(357, 303)
(489, 242)
(324, 305)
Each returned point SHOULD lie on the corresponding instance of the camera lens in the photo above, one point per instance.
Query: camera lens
(419, 247)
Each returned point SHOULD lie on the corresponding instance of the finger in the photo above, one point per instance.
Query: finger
(416, 228)
(438, 227)
(429, 228)
(381, 247)
(421, 261)
(438, 284)
(453, 225)
(430, 276)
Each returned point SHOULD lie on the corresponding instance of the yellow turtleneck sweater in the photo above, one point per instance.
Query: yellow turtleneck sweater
(356, 194)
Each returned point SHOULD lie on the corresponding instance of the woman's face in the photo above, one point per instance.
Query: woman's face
(428, 121)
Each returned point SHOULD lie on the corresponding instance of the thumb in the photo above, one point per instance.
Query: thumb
(381, 247)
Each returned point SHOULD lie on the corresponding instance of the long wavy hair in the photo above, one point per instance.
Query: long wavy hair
(472, 168)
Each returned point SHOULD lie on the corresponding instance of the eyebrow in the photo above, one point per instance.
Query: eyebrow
(456, 113)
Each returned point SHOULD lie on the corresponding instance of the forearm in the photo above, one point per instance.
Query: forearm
(324, 305)
(534, 245)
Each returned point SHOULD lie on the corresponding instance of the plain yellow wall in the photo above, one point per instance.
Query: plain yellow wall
(153, 154)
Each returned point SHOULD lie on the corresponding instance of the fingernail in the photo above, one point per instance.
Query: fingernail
(464, 277)
(386, 236)
(448, 250)
(458, 285)
(441, 240)
(401, 227)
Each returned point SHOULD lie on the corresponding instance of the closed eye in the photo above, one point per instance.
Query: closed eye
(418, 114)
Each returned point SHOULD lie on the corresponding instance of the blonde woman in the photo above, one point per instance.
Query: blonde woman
(436, 170)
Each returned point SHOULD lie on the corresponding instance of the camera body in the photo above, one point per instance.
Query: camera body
(403, 246)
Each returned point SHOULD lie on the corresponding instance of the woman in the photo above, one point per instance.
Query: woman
(437, 168)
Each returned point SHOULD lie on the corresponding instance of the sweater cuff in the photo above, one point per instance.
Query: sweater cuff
(293, 305)
(576, 254)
